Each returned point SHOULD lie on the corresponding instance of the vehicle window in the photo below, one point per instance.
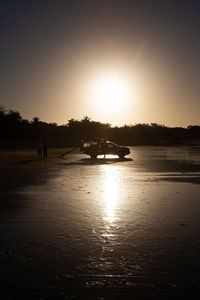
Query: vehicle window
(89, 144)
(109, 145)
(86, 145)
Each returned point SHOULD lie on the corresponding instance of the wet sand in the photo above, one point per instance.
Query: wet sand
(77, 228)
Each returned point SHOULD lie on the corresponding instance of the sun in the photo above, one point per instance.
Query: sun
(110, 92)
(110, 89)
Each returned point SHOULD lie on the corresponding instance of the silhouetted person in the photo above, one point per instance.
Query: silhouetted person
(39, 150)
(103, 145)
(44, 150)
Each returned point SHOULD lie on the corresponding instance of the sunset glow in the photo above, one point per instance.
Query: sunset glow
(110, 93)
(114, 62)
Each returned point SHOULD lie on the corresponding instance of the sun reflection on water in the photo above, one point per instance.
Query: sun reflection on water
(110, 193)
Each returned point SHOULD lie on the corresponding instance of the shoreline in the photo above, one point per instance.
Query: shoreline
(20, 168)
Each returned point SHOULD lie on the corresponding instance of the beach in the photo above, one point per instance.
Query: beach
(73, 227)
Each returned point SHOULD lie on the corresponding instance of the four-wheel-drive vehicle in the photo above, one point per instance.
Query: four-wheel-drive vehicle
(95, 147)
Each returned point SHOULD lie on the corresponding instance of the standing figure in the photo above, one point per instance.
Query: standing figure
(39, 150)
(44, 149)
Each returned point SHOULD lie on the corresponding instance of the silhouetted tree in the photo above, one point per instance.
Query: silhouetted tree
(35, 120)
(14, 116)
(16, 132)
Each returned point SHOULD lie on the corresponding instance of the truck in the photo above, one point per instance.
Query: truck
(95, 147)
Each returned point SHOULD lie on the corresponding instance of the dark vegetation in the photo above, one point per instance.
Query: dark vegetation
(16, 132)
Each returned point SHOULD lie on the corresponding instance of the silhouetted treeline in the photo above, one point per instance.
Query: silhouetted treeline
(16, 132)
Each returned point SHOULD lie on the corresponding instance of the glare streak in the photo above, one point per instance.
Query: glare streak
(111, 193)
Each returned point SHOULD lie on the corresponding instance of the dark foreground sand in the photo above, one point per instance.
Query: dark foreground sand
(76, 228)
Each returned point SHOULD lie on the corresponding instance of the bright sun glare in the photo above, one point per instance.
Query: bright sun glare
(110, 93)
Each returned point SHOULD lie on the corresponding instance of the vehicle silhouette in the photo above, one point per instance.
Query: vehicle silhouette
(95, 147)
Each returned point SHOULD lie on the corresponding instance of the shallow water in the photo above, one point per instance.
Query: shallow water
(107, 229)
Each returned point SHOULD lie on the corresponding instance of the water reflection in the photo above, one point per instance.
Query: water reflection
(110, 193)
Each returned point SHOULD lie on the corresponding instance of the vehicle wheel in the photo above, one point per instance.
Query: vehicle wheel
(121, 155)
(93, 155)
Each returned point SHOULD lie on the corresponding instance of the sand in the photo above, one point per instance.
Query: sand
(77, 228)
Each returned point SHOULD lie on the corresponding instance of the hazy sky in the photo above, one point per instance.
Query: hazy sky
(53, 54)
